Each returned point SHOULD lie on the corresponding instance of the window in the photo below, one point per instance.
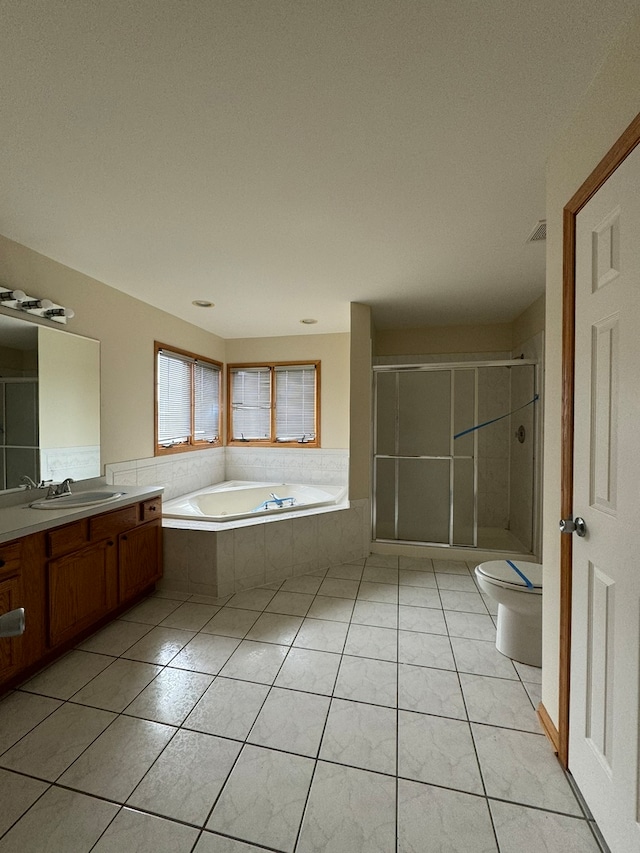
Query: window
(187, 400)
(274, 403)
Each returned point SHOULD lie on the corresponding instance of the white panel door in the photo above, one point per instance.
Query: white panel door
(605, 684)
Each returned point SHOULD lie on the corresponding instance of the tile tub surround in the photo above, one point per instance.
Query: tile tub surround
(290, 721)
(182, 473)
(216, 560)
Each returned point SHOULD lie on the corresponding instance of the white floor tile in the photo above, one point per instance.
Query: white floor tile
(384, 592)
(425, 650)
(323, 635)
(54, 745)
(170, 697)
(114, 764)
(66, 676)
(375, 613)
(430, 691)
(21, 712)
(228, 708)
(151, 611)
(498, 702)
(17, 794)
(190, 616)
(349, 811)
(206, 653)
(480, 657)
(419, 596)
(60, 821)
(437, 750)
(450, 820)
(425, 619)
(521, 829)
(187, 777)
(264, 798)
(520, 767)
(339, 587)
(231, 622)
(417, 578)
(118, 685)
(310, 671)
(145, 833)
(275, 628)
(116, 637)
(370, 642)
(366, 680)
(330, 607)
(160, 645)
(291, 721)
(361, 735)
(290, 603)
(254, 661)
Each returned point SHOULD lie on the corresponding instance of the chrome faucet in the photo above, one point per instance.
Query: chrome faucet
(56, 490)
(27, 482)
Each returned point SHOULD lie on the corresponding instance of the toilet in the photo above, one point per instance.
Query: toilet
(517, 587)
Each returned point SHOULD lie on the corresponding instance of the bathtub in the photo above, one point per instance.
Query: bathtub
(236, 500)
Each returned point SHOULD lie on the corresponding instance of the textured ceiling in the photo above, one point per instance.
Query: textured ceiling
(283, 159)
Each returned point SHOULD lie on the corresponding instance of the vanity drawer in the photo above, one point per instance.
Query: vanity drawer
(112, 523)
(65, 539)
(151, 509)
(10, 555)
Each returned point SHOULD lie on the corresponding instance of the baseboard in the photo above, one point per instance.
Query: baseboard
(549, 727)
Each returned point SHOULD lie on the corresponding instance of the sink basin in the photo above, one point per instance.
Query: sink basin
(79, 499)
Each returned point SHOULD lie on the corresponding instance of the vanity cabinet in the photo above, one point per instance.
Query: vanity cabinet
(99, 563)
(73, 577)
(83, 587)
(10, 598)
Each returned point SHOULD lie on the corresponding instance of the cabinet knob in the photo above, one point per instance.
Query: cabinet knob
(1, 562)
(110, 542)
(153, 508)
(125, 538)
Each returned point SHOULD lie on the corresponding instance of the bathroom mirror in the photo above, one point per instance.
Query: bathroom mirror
(49, 403)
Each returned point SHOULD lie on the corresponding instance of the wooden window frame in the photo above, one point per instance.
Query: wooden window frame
(271, 442)
(191, 444)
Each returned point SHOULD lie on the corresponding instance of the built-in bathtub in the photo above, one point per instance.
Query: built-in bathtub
(235, 500)
(222, 539)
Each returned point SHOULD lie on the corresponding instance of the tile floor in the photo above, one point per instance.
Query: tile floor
(360, 709)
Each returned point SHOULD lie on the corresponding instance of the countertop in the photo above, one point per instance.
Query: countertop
(20, 520)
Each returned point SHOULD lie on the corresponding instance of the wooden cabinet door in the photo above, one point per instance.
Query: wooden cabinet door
(83, 587)
(10, 647)
(140, 552)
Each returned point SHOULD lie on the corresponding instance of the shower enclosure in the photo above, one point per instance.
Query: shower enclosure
(439, 481)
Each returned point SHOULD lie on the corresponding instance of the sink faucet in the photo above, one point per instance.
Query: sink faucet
(56, 490)
(28, 483)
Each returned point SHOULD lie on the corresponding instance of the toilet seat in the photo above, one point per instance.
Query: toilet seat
(501, 573)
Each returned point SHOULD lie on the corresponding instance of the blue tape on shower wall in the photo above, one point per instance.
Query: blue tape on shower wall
(494, 420)
(522, 575)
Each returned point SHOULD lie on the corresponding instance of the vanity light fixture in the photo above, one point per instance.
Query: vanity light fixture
(12, 296)
(19, 301)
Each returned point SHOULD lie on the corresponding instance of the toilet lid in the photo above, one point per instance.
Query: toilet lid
(513, 572)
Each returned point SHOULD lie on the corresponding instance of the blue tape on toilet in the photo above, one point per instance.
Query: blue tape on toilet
(523, 576)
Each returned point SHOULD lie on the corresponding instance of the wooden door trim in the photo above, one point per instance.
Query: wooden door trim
(602, 172)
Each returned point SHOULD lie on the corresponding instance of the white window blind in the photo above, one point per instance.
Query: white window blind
(295, 402)
(206, 392)
(251, 403)
(174, 399)
(188, 400)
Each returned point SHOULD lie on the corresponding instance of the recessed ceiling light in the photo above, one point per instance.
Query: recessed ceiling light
(308, 321)
(202, 303)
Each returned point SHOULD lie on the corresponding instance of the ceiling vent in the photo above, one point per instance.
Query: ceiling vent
(539, 232)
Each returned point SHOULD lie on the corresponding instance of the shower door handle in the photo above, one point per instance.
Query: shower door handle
(568, 525)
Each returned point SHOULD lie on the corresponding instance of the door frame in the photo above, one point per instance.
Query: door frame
(602, 172)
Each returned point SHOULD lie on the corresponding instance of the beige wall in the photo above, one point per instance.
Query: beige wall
(360, 425)
(332, 351)
(609, 107)
(126, 329)
(443, 339)
(529, 323)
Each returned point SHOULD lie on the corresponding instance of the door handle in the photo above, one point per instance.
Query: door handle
(568, 525)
